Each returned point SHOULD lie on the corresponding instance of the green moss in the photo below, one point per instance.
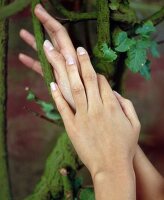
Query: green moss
(4, 180)
(39, 36)
(51, 184)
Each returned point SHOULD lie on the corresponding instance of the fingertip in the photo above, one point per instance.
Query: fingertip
(21, 56)
(53, 86)
(38, 9)
(22, 32)
(81, 51)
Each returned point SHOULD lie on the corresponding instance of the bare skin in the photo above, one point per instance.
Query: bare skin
(145, 173)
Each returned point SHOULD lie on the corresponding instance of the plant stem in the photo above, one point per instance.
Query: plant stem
(13, 8)
(5, 190)
(157, 17)
(71, 15)
(39, 36)
(51, 185)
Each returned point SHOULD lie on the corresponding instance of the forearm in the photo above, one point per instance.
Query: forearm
(115, 184)
(150, 184)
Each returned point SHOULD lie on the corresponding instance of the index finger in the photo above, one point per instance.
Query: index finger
(57, 31)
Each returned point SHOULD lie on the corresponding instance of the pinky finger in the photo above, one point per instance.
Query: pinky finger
(31, 63)
(28, 38)
(62, 106)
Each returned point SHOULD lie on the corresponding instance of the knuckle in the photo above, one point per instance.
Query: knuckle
(112, 106)
(101, 77)
(96, 112)
(128, 102)
(61, 108)
(138, 126)
(90, 77)
(56, 56)
(76, 90)
(84, 58)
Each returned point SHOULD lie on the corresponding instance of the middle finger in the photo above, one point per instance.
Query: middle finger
(57, 31)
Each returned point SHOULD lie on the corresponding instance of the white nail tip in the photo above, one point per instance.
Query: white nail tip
(48, 45)
(81, 51)
(53, 86)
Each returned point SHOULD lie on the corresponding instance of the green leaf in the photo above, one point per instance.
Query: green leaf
(87, 194)
(154, 49)
(136, 56)
(146, 29)
(31, 96)
(145, 71)
(48, 108)
(108, 53)
(122, 42)
(114, 5)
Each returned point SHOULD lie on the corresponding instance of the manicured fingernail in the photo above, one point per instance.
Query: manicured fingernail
(40, 7)
(81, 51)
(53, 86)
(70, 60)
(116, 93)
(48, 45)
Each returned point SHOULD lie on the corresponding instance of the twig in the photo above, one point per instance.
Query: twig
(13, 8)
(39, 36)
(157, 17)
(39, 115)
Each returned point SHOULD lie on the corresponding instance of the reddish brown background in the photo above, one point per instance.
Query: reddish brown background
(30, 139)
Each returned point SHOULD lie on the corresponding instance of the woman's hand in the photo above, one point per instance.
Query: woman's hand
(99, 130)
(63, 49)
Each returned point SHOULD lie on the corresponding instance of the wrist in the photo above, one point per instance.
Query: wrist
(119, 183)
(115, 166)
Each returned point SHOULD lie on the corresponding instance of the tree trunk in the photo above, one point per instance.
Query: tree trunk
(4, 175)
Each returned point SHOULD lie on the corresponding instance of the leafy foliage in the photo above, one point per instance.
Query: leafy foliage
(146, 29)
(114, 4)
(109, 54)
(136, 57)
(136, 48)
(145, 70)
(87, 193)
(123, 43)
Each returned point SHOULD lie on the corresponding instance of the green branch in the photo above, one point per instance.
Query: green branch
(157, 17)
(13, 8)
(39, 36)
(71, 15)
(5, 192)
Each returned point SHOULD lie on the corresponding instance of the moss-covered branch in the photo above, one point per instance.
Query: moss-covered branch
(118, 15)
(71, 15)
(5, 192)
(13, 8)
(39, 36)
(52, 184)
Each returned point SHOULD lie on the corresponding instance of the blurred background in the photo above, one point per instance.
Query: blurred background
(31, 139)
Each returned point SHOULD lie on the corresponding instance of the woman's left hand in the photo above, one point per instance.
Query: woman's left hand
(99, 129)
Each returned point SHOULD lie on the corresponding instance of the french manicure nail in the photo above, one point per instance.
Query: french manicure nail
(81, 51)
(53, 86)
(70, 60)
(48, 45)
